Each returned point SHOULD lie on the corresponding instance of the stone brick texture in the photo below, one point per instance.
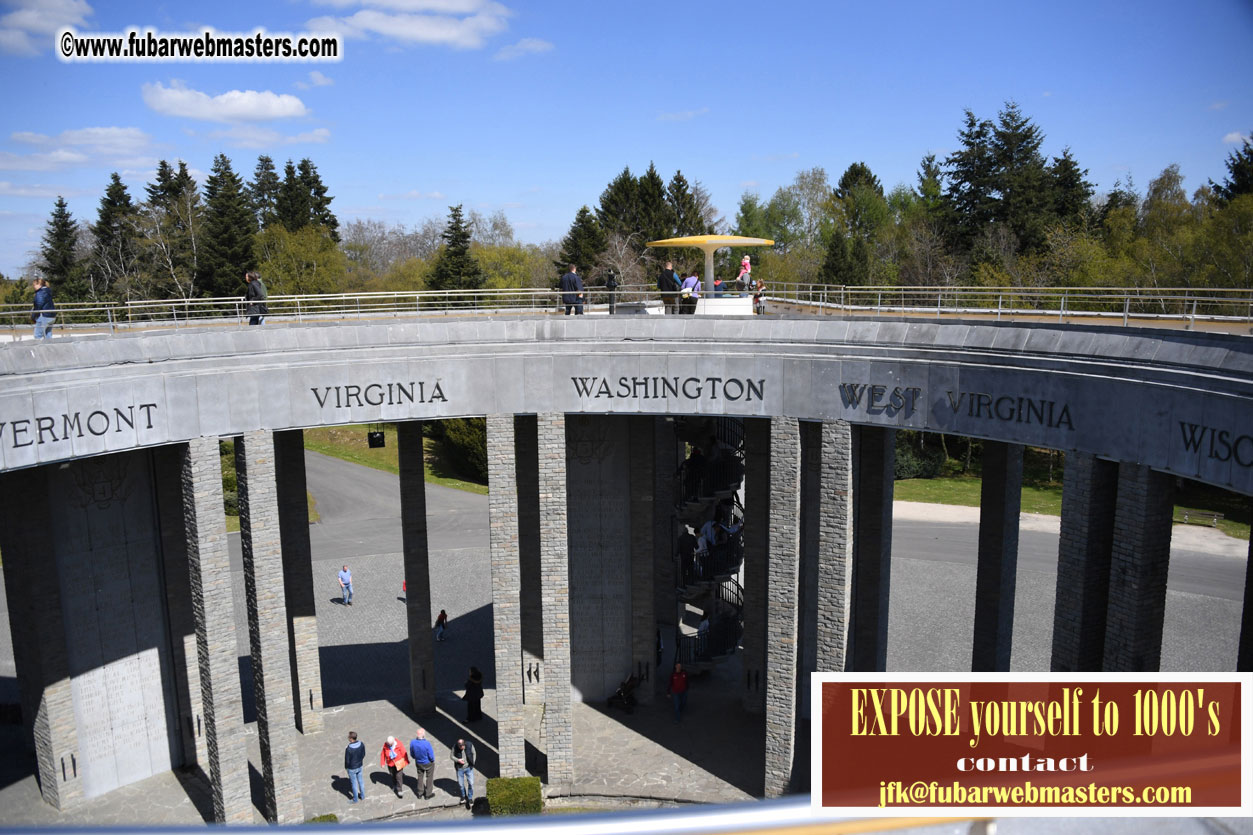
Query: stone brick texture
(502, 511)
(835, 545)
(264, 587)
(1085, 545)
(1139, 563)
(302, 620)
(413, 526)
(209, 570)
(782, 604)
(757, 498)
(555, 594)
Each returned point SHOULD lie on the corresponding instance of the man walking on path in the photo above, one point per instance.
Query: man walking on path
(423, 756)
(463, 757)
(345, 585)
(44, 312)
(354, 758)
(668, 284)
(678, 690)
(572, 291)
(255, 295)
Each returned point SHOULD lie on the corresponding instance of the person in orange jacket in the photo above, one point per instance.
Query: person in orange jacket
(394, 759)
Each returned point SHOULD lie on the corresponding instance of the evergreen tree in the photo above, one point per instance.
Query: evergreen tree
(930, 185)
(162, 189)
(1021, 178)
(583, 245)
(182, 182)
(1239, 175)
(230, 227)
(970, 174)
(619, 209)
(293, 205)
(1072, 193)
(837, 267)
(857, 175)
(114, 251)
(58, 261)
(655, 221)
(320, 213)
(263, 192)
(684, 208)
(455, 267)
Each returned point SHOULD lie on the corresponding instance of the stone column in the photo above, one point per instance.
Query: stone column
(835, 545)
(302, 616)
(417, 565)
(33, 591)
(167, 486)
(1089, 490)
(874, 461)
(782, 607)
(1139, 564)
(756, 555)
(1000, 504)
(555, 594)
(212, 593)
(262, 548)
(1244, 657)
(502, 505)
(643, 506)
(665, 465)
(527, 465)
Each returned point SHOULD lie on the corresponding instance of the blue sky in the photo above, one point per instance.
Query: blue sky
(532, 107)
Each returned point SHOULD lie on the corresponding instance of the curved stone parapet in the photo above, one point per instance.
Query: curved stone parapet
(1178, 402)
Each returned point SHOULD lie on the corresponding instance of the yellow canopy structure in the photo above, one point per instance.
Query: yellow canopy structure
(708, 244)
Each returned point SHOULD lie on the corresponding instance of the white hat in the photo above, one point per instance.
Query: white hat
(391, 740)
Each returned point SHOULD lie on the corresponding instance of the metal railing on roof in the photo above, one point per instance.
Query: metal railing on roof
(1172, 307)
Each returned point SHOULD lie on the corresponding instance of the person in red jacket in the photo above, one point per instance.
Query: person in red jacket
(394, 759)
(678, 690)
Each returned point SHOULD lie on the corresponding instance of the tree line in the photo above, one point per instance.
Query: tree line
(994, 212)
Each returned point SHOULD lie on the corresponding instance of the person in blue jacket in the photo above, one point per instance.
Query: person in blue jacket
(44, 312)
(572, 291)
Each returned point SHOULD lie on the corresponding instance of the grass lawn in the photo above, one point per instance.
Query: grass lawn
(349, 444)
(1047, 499)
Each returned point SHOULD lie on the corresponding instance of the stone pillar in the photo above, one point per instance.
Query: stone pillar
(756, 554)
(782, 607)
(555, 594)
(874, 461)
(1139, 564)
(642, 506)
(167, 487)
(1000, 504)
(807, 591)
(262, 547)
(264, 584)
(1089, 490)
(302, 616)
(835, 545)
(33, 591)
(212, 594)
(417, 566)
(1244, 657)
(665, 465)
(528, 552)
(502, 505)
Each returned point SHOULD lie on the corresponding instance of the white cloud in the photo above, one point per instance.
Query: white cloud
(47, 161)
(112, 146)
(1235, 138)
(8, 189)
(682, 115)
(29, 28)
(413, 194)
(464, 24)
(1218, 105)
(232, 106)
(254, 136)
(316, 79)
(748, 184)
(526, 46)
(110, 141)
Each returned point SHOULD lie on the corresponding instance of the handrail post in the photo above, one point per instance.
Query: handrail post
(999, 296)
(1126, 309)
(1061, 313)
(1192, 321)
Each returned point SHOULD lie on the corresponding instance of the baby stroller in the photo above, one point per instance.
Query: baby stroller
(624, 696)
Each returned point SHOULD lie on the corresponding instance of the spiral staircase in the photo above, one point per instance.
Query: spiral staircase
(709, 546)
